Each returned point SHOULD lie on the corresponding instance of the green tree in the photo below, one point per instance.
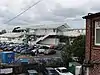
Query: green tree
(78, 47)
(3, 31)
(66, 53)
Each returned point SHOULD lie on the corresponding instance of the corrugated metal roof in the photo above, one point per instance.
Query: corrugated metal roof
(48, 26)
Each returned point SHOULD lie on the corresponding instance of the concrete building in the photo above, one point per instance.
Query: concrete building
(48, 34)
(41, 34)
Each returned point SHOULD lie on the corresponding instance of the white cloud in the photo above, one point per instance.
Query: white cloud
(47, 11)
(72, 3)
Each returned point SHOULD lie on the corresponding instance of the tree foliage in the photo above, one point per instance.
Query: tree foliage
(66, 53)
(78, 46)
(3, 31)
(17, 29)
(77, 49)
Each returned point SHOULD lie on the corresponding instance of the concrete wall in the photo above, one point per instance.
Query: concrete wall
(60, 33)
(15, 40)
(47, 31)
(50, 41)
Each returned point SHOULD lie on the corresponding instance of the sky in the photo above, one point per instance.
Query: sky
(46, 12)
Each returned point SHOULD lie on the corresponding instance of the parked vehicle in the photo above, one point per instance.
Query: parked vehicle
(32, 72)
(49, 51)
(63, 71)
(60, 46)
(41, 51)
(43, 46)
(51, 71)
(34, 52)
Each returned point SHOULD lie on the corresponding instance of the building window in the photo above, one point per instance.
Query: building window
(97, 32)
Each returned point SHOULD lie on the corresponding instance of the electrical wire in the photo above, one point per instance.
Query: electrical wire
(23, 12)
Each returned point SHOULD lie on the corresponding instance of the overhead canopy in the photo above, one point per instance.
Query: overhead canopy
(49, 26)
(11, 35)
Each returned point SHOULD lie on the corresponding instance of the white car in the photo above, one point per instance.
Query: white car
(63, 71)
(34, 72)
(41, 50)
(34, 50)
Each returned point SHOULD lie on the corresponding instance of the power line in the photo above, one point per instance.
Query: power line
(23, 11)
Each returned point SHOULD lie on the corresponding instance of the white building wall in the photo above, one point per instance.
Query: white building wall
(15, 40)
(47, 31)
(40, 32)
(3, 39)
(71, 33)
(50, 41)
(59, 33)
